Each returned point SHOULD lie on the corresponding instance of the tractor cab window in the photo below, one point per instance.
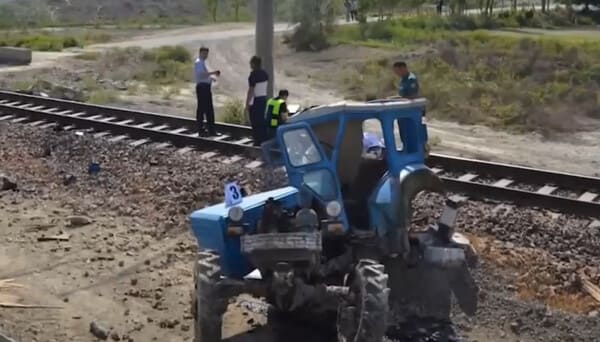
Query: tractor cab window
(398, 136)
(322, 183)
(361, 165)
(373, 142)
(300, 148)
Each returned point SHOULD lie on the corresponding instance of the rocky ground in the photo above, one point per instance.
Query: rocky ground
(124, 256)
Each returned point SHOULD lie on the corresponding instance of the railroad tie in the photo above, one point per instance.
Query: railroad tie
(547, 190)
(588, 196)
(254, 164)
(208, 155)
(469, 177)
(233, 159)
(503, 183)
(101, 134)
(118, 138)
(36, 123)
(139, 142)
(185, 150)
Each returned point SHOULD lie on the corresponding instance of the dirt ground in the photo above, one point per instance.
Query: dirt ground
(128, 270)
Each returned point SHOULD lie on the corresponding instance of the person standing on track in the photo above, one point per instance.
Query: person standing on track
(256, 100)
(204, 78)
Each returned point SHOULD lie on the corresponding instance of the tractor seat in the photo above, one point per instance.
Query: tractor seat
(370, 172)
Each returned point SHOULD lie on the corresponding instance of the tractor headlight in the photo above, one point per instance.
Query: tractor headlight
(333, 209)
(235, 214)
(307, 219)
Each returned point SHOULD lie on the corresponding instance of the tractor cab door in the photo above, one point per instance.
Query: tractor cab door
(308, 167)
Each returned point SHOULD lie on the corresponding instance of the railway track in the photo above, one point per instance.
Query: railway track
(564, 192)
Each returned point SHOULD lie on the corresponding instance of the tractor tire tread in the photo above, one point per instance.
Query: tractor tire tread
(206, 305)
(371, 281)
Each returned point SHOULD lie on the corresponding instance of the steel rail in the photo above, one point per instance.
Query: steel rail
(565, 192)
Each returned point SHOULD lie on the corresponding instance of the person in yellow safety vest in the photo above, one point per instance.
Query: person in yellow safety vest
(277, 112)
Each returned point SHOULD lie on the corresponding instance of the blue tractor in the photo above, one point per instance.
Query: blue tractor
(336, 246)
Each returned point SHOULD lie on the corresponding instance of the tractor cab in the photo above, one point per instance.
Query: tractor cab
(323, 150)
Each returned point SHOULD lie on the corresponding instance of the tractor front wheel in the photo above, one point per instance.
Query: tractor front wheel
(362, 317)
(207, 305)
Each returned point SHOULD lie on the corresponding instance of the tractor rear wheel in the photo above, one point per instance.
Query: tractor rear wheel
(363, 316)
(207, 306)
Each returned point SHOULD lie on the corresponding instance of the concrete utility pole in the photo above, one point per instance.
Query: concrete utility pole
(264, 39)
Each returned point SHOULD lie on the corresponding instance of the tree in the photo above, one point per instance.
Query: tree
(235, 5)
(315, 20)
(212, 6)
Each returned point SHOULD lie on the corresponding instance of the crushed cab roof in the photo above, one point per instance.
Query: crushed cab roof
(350, 107)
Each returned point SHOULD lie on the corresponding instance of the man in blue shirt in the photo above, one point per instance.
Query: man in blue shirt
(256, 100)
(204, 78)
(409, 85)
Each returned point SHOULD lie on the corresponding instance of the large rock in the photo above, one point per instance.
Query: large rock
(15, 56)
(99, 330)
(7, 183)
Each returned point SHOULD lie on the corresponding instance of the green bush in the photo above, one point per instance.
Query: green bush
(102, 96)
(44, 41)
(422, 27)
(233, 112)
(166, 54)
(380, 30)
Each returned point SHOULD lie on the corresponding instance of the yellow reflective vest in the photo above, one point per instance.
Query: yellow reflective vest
(273, 110)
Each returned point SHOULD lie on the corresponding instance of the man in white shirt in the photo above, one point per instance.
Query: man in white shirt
(204, 78)
(256, 100)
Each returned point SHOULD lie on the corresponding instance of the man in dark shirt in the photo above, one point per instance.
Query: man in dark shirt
(409, 85)
(256, 100)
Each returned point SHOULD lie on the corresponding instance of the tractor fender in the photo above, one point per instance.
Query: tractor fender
(412, 181)
(394, 221)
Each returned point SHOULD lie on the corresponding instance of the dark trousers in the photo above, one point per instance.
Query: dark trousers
(205, 107)
(258, 121)
(271, 132)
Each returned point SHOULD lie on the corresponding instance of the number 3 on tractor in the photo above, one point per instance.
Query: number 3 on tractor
(233, 194)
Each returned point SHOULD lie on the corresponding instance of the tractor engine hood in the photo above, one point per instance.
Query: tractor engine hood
(391, 207)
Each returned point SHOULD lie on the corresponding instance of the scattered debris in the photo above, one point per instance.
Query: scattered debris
(99, 330)
(115, 336)
(39, 226)
(61, 237)
(28, 306)
(69, 179)
(78, 221)
(7, 183)
(590, 288)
